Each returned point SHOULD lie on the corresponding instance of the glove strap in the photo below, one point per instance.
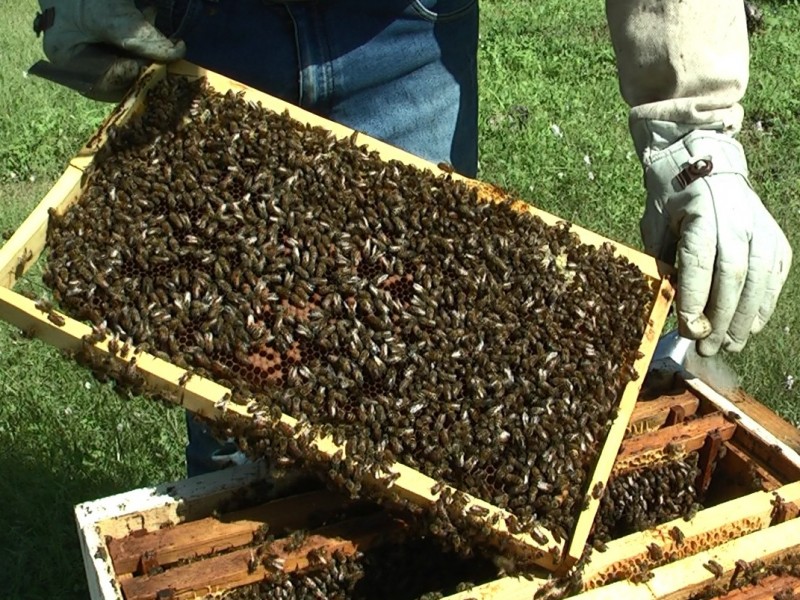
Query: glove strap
(695, 156)
(698, 167)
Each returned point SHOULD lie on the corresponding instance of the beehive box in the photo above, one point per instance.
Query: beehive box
(174, 540)
(209, 399)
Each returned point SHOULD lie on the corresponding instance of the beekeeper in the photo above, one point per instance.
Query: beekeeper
(405, 71)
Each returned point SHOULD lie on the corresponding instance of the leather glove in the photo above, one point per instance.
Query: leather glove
(732, 257)
(111, 39)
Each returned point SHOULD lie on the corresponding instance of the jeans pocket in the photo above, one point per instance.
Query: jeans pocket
(443, 10)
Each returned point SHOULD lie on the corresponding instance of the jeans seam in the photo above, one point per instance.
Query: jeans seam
(298, 53)
(315, 69)
(326, 63)
(192, 8)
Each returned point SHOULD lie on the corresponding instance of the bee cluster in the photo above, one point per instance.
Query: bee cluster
(381, 302)
(338, 580)
(413, 570)
(646, 497)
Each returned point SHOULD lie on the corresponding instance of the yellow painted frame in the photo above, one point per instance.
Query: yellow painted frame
(204, 396)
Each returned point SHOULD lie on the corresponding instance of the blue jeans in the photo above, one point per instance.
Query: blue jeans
(204, 453)
(403, 71)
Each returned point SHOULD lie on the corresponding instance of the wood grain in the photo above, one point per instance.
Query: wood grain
(216, 534)
(242, 567)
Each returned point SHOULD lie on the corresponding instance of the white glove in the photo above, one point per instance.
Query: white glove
(73, 28)
(732, 257)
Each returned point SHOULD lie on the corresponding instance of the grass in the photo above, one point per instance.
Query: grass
(64, 438)
(41, 124)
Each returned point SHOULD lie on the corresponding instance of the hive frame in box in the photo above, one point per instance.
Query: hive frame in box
(737, 529)
(205, 397)
(119, 515)
(682, 579)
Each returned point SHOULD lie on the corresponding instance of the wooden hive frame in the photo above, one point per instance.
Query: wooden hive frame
(171, 522)
(205, 397)
(718, 566)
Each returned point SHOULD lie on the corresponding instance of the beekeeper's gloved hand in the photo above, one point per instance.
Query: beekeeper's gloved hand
(78, 32)
(732, 257)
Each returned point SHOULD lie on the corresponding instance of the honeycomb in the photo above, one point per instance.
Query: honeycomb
(380, 302)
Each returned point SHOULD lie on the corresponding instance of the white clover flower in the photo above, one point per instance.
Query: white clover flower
(789, 383)
(591, 176)
(68, 410)
(556, 130)
(586, 159)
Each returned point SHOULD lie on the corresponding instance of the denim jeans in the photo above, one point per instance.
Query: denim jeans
(403, 71)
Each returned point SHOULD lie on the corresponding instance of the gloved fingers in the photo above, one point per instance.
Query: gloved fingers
(132, 32)
(697, 250)
(730, 276)
(753, 295)
(163, 50)
(778, 273)
(223, 458)
(117, 80)
(154, 46)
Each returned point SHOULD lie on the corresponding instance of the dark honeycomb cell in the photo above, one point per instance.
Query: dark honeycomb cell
(384, 303)
(370, 269)
(400, 287)
(416, 570)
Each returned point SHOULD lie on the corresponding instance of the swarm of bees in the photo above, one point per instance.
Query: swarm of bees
(647, 497)
(380, 302)
(338, 580)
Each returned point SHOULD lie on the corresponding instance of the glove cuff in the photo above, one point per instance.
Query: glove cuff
(651, 135)
(674, 155)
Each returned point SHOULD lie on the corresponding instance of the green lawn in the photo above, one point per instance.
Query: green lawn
(64, 438)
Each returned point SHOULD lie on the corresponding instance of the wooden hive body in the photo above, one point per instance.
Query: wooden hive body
(120, 535)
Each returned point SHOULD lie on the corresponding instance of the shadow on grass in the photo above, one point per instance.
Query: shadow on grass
(39, 552)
